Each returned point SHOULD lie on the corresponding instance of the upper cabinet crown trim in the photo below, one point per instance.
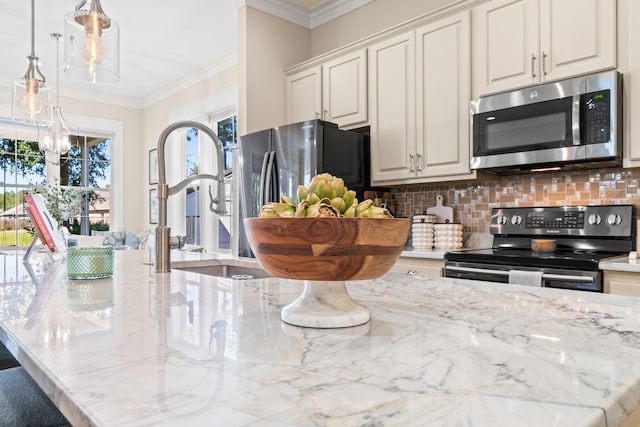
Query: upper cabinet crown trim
(412, 24)
(308, 17)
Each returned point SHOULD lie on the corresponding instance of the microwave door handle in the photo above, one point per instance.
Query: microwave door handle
(575, 119)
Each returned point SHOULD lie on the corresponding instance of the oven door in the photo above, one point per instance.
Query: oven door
(551, 278)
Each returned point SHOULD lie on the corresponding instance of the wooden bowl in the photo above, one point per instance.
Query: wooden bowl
(327, 249)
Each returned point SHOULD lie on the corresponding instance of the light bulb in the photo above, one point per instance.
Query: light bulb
(94, 52)
(56, 137)
(45, 143)
(30, 101)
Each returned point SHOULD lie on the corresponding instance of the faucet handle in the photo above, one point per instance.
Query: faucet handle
(215, 201)
(177, 242)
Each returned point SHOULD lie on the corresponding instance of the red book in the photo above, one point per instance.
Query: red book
(46, 225)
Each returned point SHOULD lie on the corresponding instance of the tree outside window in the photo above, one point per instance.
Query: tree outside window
(86, 167)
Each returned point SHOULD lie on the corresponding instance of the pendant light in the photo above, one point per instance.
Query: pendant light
(56, 135)
(92, 44)
(31, 96)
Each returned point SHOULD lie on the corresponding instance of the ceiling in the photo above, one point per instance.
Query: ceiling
(159, 44)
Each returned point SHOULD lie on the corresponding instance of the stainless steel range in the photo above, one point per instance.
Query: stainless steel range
(583, 236)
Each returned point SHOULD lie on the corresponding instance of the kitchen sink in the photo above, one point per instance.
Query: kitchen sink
(229, 271)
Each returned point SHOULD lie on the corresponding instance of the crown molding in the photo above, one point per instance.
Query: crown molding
(332, 9)
(86, 94)
(308, 17)
(218, 66)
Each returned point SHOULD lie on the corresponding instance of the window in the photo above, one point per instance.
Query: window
(197, 202)
(87, 167)
(23, 168)
(227, 128)
(193, 193)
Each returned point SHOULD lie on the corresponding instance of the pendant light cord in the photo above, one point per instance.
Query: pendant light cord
(33, 29)
(57, 37)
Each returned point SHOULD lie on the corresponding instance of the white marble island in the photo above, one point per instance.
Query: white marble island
(183, 349)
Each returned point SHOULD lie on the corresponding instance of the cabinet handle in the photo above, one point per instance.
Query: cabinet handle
(326, 114)
(544, 64)
(418, 157)
(317, 115)
(411, 163)
(533, 69)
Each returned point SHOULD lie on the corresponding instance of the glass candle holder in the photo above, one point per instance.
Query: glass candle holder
(89, 262)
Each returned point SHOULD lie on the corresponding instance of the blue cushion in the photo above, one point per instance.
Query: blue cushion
(115, 238)
(144, 237)
(132, 240)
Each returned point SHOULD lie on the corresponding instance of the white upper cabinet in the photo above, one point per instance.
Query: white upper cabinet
(392, 88)
(443, 94)
(522, 42)
(304, 95)
(335, 91)
(344, 89)
(419, 91)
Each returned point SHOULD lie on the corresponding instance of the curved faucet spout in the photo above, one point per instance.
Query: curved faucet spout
(163, 261)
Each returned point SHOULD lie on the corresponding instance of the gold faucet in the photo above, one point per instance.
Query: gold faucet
(164, 243)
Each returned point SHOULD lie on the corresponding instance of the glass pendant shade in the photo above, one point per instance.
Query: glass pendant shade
(91, 44)
(31, 100)
(56, 138)
(31, 96)
(56, 135)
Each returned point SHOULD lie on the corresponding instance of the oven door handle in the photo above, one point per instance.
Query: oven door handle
(545, 276)
(479, 270)
(568, 278)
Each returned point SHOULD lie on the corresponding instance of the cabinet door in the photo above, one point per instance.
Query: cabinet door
(622, 283)
(344, 89)
(506, 39)
(304, 95)
(443, 94)
(577, 37)
(392, 108)
(422, 266)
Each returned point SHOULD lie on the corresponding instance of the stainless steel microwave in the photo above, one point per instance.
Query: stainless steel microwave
(562, 124)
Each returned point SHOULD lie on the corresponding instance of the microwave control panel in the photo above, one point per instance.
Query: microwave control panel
(596, 109)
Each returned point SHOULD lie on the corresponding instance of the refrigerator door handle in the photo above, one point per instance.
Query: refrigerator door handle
(267, 182)
(263, 179)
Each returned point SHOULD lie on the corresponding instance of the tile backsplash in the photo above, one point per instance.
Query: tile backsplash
(472, 202)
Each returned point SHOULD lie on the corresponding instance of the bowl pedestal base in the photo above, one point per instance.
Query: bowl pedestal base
(325, 305)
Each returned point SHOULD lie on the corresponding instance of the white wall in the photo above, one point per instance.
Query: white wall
(369, 19)
(267, 45)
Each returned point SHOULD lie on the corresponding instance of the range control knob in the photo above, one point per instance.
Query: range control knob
(614, 219)
(501, 220)
(516, 220)
(594, 219)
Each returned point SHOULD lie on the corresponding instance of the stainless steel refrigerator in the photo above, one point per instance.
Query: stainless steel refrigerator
(275, 161)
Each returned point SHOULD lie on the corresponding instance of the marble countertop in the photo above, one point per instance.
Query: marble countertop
(625, 264)
(184, 349)
(410, 252)
(472, 241)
